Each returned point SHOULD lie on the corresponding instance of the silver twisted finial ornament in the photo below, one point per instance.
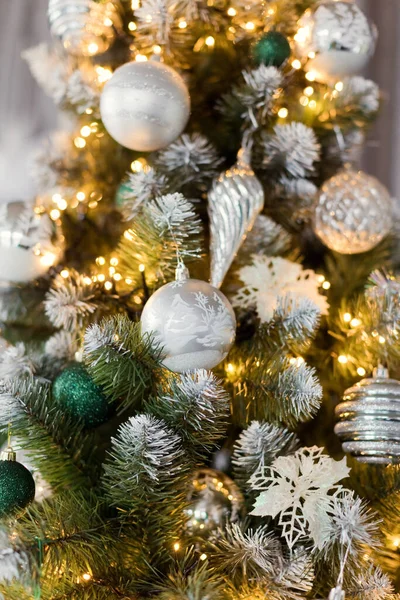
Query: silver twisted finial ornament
(235, 199)
(369, 419)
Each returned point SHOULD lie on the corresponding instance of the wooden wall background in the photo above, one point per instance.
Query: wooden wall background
(26, 114)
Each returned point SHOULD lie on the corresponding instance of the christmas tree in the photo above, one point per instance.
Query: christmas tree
(200, 378)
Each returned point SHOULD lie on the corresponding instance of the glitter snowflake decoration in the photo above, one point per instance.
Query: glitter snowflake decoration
(296, 488)
(270, 278)
(294, 147)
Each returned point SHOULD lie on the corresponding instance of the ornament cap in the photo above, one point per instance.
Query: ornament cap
(181, 272)
(381, 372)
(8, 454)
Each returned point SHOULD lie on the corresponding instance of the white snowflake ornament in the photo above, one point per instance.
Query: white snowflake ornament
(269, 278)
(297, 489)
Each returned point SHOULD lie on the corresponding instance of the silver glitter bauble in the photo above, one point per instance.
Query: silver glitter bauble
(145, 105)
(353, 213)
(84, 27)
(214, 502)
(369, 419)
(336, 38)
(193, 322)
(30, 243)
(235, 199)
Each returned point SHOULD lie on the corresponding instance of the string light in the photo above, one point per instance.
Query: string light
(86, 131)
(135, 4)
(343, 359)
(93, 48)
(182, 24)
(210, 41)
(203, 556)
(230, 368)
(132, 26)
(311, 76)
(339, 86)
(86, 577)
(108, 285)
(103, 74)
(101, 277)
(326, 285)
(81, 196)
(382, 340)
(296, 64)
(157, 49)
(48, 259)
(250, 26)
(312, 104)
(177, 546)
(361, 371)
(309, 90)
(100, 260)
(355, 322)
(64, 273)
(79, 142)
(232, 12)
(304, 100)
(141, 268)
(114, 261)
(347, 317)
(140, 58)
(283, 112)
(55, 214)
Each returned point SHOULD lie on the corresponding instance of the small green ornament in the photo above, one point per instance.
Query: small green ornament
(271, 49)
(123, 193)
(17, 486)
(76, 392)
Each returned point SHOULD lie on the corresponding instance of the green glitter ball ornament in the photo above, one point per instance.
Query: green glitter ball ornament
(76, 392)
(271, 49)
(123, 193)
(17, 487)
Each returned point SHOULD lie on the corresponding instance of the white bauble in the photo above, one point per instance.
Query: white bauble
(84, 27)
(29, 243)
(194, 323)
(354, 212)
(145, 105)
(336, 38)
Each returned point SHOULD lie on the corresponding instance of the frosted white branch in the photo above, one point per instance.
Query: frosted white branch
(15, 363)
(292, 146)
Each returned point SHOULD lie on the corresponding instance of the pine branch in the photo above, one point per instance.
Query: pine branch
(121, 360)
(259, 445)
(294, 324)
(250, 555)
(274, 390)
(165, 226)
(58, 446)
(146, 464)
(196, 406)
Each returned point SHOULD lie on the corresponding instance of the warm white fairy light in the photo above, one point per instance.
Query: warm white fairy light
(296, 64)
(309, 90)
(283, 112)
(81, 196)
(182, 24)
(55, 214)
(132, 26)
(339, 86)
(347, 317)
(141, 268)
(210, 41)
(64, 273)
(361, 371)
(342, 358)
(93, 48)
(79, 142)
(177, 546)
(326, 285)
(355, 322)
(311, 76)
(232, 12)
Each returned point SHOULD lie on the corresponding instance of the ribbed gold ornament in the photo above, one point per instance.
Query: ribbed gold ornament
(369, 419)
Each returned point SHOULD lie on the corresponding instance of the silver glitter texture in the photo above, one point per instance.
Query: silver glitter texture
(235, 199)
(337, 39)
(369, 419)
(353, 213)
(84, 27)
(145, 105)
